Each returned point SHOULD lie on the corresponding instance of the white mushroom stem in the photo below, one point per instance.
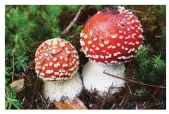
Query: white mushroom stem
(94, 78)
(55, 91)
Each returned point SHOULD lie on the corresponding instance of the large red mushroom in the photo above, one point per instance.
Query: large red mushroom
(57, 62)
(109, 39)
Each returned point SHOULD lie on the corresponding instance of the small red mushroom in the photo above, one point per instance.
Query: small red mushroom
(57, 60)
(57, 63)
(110, 37)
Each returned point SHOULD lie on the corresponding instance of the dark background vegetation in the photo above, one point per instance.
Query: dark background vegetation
(26, 27)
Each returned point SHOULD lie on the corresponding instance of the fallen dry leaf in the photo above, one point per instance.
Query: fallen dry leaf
(75, 104)
(17, 85)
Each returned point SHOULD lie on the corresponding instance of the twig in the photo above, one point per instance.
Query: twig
(113, 106)
(44, 101)
(146, 106)
(36, 82)
(129, 90)
(104, 100)
(13, 66)
(132, 95)
(156, 91)
(73, 21)
(123, 101)
(130, 80)
(37, 79)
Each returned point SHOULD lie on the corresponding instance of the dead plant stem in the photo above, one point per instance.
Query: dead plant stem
(133, 81)
(73, 21)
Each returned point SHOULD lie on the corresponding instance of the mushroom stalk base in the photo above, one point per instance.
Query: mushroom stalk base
(94, 78)
(53, 90)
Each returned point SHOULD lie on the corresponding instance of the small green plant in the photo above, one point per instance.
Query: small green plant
(158, 63)
(150, 65)
(98, 7)
(10, 99)
(142, 54)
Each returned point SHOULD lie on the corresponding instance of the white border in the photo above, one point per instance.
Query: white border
(2, 57)
(64, 2)
(86, 2)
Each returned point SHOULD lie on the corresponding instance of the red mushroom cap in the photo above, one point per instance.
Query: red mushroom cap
(111, 36)
(56, 59)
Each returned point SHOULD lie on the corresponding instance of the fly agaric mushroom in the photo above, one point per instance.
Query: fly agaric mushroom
(57, 63)
(109, 39)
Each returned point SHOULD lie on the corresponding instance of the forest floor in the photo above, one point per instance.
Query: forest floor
(132, 96)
